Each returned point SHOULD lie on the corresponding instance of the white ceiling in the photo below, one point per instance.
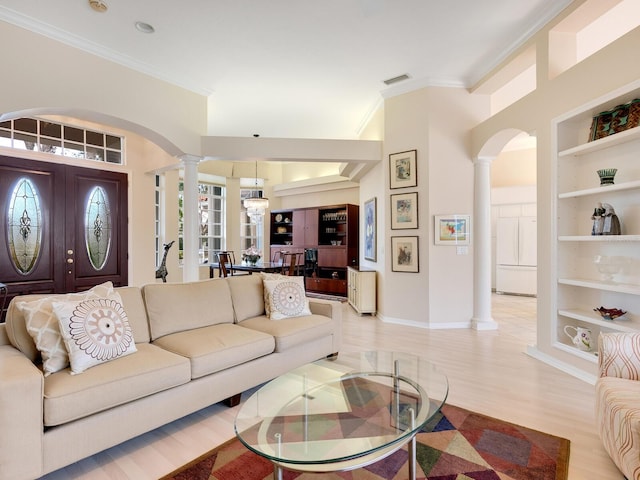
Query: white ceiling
(294, 68)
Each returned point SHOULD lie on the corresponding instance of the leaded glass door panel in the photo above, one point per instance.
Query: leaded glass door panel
(99, 232)
(32, 225)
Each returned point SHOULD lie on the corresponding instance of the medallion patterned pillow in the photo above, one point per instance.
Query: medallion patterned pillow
(286, 298)
(42, 325)
(95, 331)
(269, 276)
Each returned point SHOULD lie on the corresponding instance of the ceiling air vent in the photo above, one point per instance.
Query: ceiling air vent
(399, 78)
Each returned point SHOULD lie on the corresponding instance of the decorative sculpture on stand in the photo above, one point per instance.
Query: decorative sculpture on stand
(161, 272)
(611, 224)
(605, 220)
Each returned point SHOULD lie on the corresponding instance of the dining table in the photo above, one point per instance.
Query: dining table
(267, 267)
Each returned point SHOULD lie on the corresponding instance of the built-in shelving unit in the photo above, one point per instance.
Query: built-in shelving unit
(329, 233)
(595, 270)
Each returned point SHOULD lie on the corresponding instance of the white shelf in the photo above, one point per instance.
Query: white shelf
(589, 356)
(592, 318)
(599, 285)
(599, 238)
(599, 190)
(602, 143)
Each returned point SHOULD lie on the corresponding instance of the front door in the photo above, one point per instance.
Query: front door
(64, 228)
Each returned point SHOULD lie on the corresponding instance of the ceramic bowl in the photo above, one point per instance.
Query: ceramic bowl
(609, 313)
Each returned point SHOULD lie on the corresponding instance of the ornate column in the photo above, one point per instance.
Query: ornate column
(191, 260)
(482, 319)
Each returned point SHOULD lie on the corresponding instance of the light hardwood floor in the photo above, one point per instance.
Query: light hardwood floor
(488, 373)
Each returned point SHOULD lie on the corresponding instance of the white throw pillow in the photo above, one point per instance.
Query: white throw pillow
(95, 331)
(286, 298)
(269, 276)
(43, 327)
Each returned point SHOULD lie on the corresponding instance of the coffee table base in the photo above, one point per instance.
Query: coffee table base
(279, 467)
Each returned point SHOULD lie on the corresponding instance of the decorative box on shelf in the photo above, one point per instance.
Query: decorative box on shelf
(622, 117)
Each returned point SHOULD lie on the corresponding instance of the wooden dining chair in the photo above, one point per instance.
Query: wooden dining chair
(224, 260)
(290, 263)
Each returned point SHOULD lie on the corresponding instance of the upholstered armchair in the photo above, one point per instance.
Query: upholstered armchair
(618, 399)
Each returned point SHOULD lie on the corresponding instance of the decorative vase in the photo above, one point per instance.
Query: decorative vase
(606, 175)
(252, 259)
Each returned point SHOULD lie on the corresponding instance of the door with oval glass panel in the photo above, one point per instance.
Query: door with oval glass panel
(64, 228)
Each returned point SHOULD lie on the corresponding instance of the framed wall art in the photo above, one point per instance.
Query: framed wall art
(402, 169)
(452, 229)
(370, 229)
(404, 254)
(404, 210)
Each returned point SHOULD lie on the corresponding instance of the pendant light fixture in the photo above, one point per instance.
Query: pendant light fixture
(256, 205)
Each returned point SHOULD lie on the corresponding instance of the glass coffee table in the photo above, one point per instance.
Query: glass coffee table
(342, 414)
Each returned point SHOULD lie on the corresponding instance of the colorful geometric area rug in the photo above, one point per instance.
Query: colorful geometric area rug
(455, 445)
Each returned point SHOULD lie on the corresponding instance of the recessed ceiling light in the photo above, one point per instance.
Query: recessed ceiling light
(397, 79)
(144, 27)
(98, 5)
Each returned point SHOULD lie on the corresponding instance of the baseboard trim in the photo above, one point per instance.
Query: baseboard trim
(534, 352)
(426, 326)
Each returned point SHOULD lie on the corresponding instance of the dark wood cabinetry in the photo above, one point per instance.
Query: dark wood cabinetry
(329, 232)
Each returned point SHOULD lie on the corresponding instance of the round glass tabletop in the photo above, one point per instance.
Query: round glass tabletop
(339, 410)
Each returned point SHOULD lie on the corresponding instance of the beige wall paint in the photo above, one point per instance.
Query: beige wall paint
(514, 168)
(435, 122)
(42, 75)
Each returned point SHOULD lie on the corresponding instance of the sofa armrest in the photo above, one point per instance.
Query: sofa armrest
(619, 355)
(21, 416)
(333, 310)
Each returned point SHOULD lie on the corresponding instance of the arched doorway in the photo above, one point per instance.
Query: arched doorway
(484, 259)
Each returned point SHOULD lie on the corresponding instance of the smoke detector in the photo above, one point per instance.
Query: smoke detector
(98, 5)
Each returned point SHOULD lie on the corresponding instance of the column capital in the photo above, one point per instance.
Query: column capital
(483, 160)
(187, 158)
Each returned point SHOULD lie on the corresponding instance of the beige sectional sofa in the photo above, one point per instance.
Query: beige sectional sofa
(196, 344)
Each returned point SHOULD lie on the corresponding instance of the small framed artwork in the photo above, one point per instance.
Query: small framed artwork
(404, 210)
(402, 169)
(452, 229)
(404, 254)
(370, 229)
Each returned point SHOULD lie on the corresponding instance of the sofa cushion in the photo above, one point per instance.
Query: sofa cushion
(286, 298)
(290, 332)
(151, 369)
(136, 312)
(247, 295)
(95, 331)
(618, 418)
(177, 307)
(217, 347)
(42, 325)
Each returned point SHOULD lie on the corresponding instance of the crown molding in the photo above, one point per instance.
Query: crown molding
(76, 41)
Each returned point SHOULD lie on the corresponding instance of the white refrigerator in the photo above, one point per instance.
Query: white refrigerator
(516, 255)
